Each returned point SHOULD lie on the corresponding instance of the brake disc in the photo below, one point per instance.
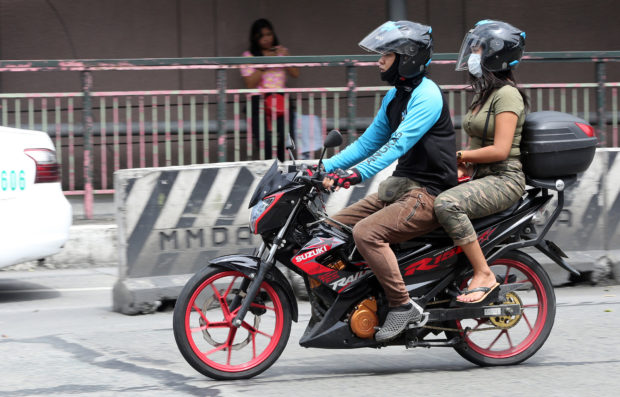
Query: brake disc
(212, 303)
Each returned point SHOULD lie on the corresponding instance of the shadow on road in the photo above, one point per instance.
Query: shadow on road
(21, 291)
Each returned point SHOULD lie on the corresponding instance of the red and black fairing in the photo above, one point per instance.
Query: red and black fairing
(436, 263)
(432, 266)
(314, 259)
(273, 200)
(275, 215)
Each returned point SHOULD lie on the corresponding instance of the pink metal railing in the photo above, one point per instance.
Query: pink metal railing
(165, 128)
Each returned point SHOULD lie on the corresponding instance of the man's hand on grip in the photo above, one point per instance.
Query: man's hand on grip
(343, 178)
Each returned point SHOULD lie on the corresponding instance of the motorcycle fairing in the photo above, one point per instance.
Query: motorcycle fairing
(272, 181)
(308, 260)
(306, 257)
(433, 265)
(430, 265)
(331, 332)
(284, 201)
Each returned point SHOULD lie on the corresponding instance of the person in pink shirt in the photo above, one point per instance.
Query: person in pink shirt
(264, 42)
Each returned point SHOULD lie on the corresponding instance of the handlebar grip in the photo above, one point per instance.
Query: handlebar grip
(313, 181)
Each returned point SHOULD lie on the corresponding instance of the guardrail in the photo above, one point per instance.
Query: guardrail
(172, 127)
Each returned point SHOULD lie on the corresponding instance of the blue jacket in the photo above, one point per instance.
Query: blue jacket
(378, 146)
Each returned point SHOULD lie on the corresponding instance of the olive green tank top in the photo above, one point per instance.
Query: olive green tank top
(507, 99)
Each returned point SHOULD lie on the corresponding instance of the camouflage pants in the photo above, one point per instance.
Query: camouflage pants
(496, 187)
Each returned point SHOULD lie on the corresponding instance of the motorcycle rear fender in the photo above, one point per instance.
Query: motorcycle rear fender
(556, 254)
(248, 265)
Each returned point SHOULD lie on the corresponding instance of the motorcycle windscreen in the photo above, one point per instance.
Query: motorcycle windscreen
(273, 181)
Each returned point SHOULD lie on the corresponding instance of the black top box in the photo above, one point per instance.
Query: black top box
(555, 144)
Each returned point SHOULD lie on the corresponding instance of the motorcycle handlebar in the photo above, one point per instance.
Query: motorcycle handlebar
(316, 180)
(311, 180)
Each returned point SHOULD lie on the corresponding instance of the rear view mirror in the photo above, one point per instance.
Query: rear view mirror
(290, 143)
(333, 139)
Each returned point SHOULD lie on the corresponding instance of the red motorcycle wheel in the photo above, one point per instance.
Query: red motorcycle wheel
(510, 340)
(211, 344)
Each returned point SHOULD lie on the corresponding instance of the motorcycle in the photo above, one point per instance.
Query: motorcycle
(232, 319)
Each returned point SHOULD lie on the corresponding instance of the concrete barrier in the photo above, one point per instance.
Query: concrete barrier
(172, 220)
(590, 219)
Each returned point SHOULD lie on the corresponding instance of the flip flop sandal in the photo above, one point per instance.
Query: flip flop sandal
(489, 294)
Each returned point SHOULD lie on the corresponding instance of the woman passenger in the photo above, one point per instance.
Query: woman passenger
(494, 122)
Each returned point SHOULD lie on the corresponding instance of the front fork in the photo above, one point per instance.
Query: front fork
(254, 282)
(244, 284)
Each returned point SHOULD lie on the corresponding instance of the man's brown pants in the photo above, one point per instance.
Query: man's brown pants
(376, 224)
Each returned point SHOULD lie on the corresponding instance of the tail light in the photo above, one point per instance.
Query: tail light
(587, 129)
(47, 168)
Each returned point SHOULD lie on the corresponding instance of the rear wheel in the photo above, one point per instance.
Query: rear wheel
(204, 332)
(510, 340)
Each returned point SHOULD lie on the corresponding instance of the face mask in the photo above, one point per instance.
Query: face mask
(473, 65)
(391, 75)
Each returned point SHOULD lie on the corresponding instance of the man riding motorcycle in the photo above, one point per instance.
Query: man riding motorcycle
(414, 127)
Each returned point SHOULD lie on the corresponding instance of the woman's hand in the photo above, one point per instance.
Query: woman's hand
(462, 170)
(276, 51)
(282, 51)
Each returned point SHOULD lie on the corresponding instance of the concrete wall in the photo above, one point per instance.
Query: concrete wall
(63, 29)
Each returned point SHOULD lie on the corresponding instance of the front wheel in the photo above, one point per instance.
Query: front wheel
(204, 333)
(510, 340)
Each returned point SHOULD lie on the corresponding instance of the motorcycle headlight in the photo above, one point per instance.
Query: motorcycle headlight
(257, 212)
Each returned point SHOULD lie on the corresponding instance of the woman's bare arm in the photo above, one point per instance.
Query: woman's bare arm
(505, 125)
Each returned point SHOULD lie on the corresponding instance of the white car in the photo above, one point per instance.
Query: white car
(35, 216)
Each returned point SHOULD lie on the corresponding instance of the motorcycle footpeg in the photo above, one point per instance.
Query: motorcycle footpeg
(421, 322)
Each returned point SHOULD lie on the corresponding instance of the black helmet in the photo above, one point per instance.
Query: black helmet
(500, 43)
(413, 41)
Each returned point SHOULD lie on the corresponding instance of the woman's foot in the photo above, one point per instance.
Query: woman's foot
(483, 280)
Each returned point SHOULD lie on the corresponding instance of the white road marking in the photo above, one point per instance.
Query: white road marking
(21, 291)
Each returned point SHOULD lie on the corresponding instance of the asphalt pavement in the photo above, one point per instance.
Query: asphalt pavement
(59, 337)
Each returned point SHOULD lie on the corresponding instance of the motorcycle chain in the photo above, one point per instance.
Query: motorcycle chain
(466, 330)
(438, 302)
